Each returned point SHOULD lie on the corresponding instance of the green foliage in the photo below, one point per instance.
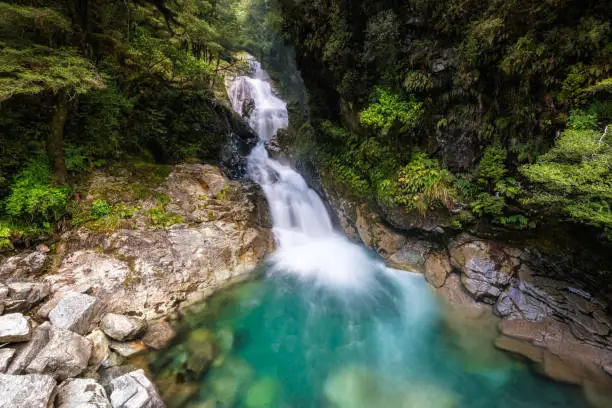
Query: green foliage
(491, 167)
(390, 109)
(100, 208)
(159, 217)
(488, 204)
(421, 185)
(574, 178)
(5, 236)
(581, 120)
(38, 69)
(33, 197)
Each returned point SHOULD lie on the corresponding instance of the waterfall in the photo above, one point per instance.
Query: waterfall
(308, 246)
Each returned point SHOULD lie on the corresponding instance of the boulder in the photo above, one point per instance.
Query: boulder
(437, 268)
(100, 351)
(26, 391)
(121, 327)
(24, 265)
(486, 268)
(159, 335)
(6, 354)
(66, 355)
(134, 390)
(76, 312)
(23, 296)
(14, 327)
(128, 349)
(81, 393)
(26, 352)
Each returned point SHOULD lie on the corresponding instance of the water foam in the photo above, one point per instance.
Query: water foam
(308, 246)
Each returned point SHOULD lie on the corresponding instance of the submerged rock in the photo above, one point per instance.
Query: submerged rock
(159, 335)
(263, 393)
(26, 391)
(359, 387)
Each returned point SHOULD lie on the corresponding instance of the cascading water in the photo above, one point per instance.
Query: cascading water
(307, 244)
(328, 325)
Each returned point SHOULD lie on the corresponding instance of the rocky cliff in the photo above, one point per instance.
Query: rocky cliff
(74, 312)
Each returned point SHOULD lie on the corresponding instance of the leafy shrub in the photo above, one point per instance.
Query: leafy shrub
(574, 178)
(581, 120)
(34, 198)
(100, 209)
(5, 237)
(160, 218)
(389, 109)
(488, 204)
(491, 167)
(422, 184)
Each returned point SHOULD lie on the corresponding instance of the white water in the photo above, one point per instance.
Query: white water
(307, 243)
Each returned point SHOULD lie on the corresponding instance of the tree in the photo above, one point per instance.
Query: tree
(27, 67)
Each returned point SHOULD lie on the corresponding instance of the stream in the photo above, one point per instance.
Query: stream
(327, 324)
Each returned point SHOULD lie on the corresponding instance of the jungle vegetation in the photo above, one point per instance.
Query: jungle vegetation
(487, 109)
(87, 83)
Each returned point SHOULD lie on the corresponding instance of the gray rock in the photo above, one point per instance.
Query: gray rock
(4, 292)
(159, 335)
(25, 353)
(14, 327)
(25, 295)
(26, 391)
(26, 264)
(6, 354)
(121, 327)
(113, 360)
(437, 268)
(128, 349)
(486, 269)
(99, 351)
(134, 390)
(76, 312)
(81, 393)
(66, 355)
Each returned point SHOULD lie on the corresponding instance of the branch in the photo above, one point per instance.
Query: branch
(602, 136)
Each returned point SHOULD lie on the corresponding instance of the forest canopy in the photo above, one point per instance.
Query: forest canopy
(85, 83)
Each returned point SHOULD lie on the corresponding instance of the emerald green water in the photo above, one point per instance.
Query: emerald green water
(285, 341)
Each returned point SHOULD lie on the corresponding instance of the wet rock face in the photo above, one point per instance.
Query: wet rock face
(398, 250)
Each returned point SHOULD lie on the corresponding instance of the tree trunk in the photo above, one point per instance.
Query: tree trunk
(55, 139)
